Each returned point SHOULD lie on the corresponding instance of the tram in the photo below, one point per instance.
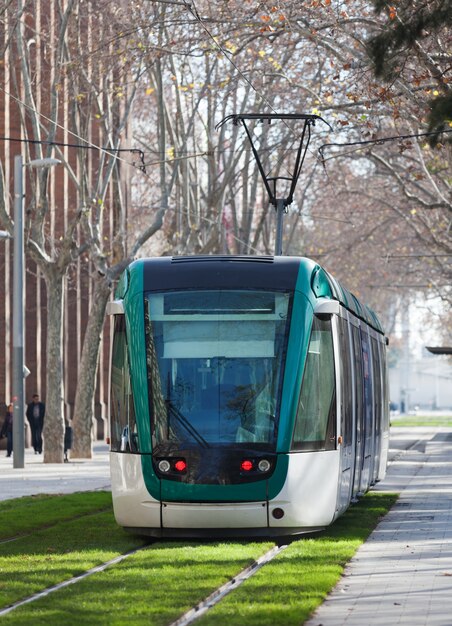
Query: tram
(248, 396)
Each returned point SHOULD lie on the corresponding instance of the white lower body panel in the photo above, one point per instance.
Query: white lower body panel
(132, 503)
(383, 455)
(309, 495)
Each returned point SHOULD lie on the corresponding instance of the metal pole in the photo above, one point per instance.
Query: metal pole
(280, 210)
(18, 319)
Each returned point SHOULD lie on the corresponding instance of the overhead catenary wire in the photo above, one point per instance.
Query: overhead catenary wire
(107, 151)
(379, 141)
(89, 144)
(280, 204)
(191, 7)
(93, 146)
(61, 144)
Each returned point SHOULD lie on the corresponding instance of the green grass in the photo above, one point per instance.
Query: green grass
(31, 513)
(154, 586)
(422, 420)
(50, 555)
(162, 581)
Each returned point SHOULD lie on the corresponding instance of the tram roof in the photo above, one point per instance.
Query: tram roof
(235, 271)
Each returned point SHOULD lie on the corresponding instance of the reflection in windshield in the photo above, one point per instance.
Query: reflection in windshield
(173, 412)
(215, 364)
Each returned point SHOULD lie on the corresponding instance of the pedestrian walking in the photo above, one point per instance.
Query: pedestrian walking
(35, 416)
(7, 430)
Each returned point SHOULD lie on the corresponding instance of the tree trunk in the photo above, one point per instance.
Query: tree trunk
(54, 418)
(82, 422)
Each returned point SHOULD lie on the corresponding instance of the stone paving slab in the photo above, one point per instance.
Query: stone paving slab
(403, 573)
(38, 477)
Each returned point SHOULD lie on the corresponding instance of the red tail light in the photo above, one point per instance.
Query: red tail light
(246, 465)
(180, 465)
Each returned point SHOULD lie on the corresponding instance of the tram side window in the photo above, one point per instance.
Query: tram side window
(378, 385)
(123, 433)
(316, 414)
(346, 383)
(358, 356)
(385, 406)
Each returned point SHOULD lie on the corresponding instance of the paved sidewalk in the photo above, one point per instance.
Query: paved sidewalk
(38, 477)
(403, 573)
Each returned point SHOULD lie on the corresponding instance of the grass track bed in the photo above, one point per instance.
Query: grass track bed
(49, 556)
(159, 583)
(31, 513)
(154, 586)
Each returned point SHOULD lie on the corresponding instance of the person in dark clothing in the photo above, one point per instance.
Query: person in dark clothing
(35, 416)
(7, 430)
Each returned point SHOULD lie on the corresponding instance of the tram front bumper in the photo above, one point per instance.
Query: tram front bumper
(208, 515)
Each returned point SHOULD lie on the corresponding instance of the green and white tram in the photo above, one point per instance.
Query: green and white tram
(248, 396)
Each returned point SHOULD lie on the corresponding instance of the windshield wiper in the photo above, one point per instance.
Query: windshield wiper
(183, 421)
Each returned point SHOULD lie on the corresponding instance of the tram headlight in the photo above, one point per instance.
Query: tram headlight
(164, 466)
(263, 465)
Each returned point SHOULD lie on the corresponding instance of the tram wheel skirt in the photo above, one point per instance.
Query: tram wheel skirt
(221, 533)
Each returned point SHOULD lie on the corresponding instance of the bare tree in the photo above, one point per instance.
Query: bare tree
(92, 84)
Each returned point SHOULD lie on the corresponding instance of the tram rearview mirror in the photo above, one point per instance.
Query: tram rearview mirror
(115, 307)
(326, 307)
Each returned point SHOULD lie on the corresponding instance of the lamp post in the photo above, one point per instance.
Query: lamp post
(18, 308)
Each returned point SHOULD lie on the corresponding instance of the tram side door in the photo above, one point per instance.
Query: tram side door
(358, 398)
(378, 393)
(346, 414)
(367, 412)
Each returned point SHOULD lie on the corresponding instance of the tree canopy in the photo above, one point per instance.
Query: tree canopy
(374, 206)
(418, 30)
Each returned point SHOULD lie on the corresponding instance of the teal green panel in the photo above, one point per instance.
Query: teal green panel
(134, 281)
(134, 309)
(130, 288)
(172, 491)
(123, 282)
(373, 319)
(335, 288)
(300, 328)
(302, 317)
(320, 284)
(351, 302)
(342, 294)
(357, 308)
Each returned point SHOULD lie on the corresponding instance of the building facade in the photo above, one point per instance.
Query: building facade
(53, 94)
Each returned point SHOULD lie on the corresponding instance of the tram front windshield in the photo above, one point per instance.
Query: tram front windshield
(215, 363)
